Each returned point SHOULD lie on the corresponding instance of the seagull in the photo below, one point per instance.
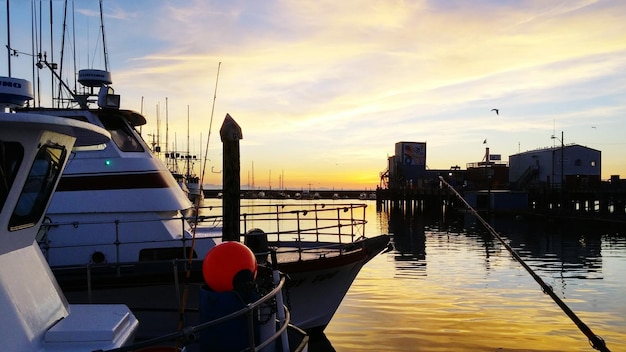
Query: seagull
(496, 110)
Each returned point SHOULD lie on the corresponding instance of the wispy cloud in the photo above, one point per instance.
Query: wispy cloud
(348, 79)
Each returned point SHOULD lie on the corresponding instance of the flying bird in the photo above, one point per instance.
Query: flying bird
(497, 111)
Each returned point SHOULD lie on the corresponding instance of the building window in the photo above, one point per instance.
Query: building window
(593, 163)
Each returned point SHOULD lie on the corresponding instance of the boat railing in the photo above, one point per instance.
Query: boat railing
(190, 333)
(324, 225)
(319, 221)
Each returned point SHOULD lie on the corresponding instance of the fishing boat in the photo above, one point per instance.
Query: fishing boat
(118, 228)
(35, 314)
(118, 208)
(34, 150)
(184, 175)
(320, 248)
(196, 193)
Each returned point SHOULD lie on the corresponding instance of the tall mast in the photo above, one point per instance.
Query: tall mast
(167, 128)
(8, 38)
(104, 42)
(188, 156)
(52, 78)
(59, 98)
(158, 134)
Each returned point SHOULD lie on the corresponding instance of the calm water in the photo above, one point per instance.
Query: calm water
(449, 286)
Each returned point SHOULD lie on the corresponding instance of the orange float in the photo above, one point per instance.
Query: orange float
(224, 261)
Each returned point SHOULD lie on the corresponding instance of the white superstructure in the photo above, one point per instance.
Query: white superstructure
(35, 315)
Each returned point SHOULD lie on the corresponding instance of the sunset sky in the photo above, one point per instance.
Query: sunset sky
(324, 89)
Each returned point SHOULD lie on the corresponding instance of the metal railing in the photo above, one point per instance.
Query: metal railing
(296, 224)
(189, 333)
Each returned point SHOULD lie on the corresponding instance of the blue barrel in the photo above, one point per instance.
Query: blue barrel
(231, 335)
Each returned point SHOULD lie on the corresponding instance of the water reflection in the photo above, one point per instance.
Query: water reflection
(556, 249)
(562, 249)
(409, 241)
(449, 285)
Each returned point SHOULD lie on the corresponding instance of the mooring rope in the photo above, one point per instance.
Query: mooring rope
(596, 341)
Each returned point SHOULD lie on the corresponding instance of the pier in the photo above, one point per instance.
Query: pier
(293, 194)
(419, 200)
(603, 203)
(606, 202)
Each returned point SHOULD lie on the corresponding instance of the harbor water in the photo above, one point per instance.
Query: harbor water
(449, 285)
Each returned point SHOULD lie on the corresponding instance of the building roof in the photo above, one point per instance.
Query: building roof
(549, 149)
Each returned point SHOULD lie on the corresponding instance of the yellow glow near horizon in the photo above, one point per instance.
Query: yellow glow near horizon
(323, 90)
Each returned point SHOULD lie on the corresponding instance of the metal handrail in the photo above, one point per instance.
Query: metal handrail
(326, 223)
(189, 332)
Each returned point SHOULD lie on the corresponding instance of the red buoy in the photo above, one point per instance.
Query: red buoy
(224, 261)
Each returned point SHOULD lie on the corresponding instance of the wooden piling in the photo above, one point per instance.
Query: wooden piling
(230, 133)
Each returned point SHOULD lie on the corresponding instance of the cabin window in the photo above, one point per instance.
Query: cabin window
(121, 134)
(593, 163)
(11, 155)
(86, 147)
(38, 187)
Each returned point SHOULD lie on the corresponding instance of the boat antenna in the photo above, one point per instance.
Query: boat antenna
(158, 132)
(35, 48)
(62, 53)
(52, 72)
(104, 42)
(596, 341)
(141, 112)
(187, 157)
(8, 38)
(74, 46)
(167, 133)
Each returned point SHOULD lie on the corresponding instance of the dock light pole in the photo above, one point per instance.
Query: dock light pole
(562, 164)
(562, 159)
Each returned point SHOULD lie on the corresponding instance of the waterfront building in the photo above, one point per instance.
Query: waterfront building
(571, 166)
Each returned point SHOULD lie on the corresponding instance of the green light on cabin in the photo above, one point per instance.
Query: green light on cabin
(107, 162)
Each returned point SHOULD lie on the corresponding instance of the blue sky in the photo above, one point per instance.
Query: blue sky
(324, 89)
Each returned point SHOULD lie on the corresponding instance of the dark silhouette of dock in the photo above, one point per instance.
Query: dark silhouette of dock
(296, 194)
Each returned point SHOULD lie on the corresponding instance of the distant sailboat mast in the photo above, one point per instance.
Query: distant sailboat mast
(188, 156)
(158, 134)
(167, 129)
(253, 187)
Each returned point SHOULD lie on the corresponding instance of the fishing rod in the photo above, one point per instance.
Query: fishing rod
(196, 208)
(206, 152)
(596, 341)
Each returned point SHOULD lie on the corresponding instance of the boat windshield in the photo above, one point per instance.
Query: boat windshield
(38, 187)
(121, 133)
(11, 155)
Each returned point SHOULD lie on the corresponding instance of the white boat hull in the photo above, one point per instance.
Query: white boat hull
(154, 291)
